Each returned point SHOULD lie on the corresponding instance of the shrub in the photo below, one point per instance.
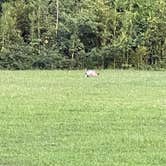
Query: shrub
(16, 58)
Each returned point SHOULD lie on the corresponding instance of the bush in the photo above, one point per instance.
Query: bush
(162, 64)
(50, 59)
(47, 62)
(126, 66)
(68, 64)
(16, 58)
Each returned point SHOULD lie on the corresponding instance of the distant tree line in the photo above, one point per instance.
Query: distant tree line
(76, 34)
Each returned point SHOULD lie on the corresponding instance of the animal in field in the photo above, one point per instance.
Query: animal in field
(91, 73)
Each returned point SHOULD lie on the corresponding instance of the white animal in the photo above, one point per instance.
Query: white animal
(91, 73)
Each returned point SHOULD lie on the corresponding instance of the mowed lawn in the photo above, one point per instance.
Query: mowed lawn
(61, 118)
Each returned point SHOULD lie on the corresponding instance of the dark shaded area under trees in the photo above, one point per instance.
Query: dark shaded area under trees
(77, 34)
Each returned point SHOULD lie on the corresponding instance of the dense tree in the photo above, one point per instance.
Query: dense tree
(50, 34)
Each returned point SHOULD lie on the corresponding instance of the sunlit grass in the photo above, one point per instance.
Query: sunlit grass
(62, 118)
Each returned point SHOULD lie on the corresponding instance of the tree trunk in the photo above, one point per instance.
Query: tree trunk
(114, 63)
(57, 16)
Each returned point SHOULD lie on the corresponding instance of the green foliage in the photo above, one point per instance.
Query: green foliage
(84, 33)
(17, 57)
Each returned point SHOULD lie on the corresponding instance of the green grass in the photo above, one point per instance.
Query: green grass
(61, 118)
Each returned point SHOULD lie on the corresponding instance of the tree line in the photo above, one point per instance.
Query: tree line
(77, 34)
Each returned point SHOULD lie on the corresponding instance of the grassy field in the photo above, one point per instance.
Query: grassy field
(61, 118)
